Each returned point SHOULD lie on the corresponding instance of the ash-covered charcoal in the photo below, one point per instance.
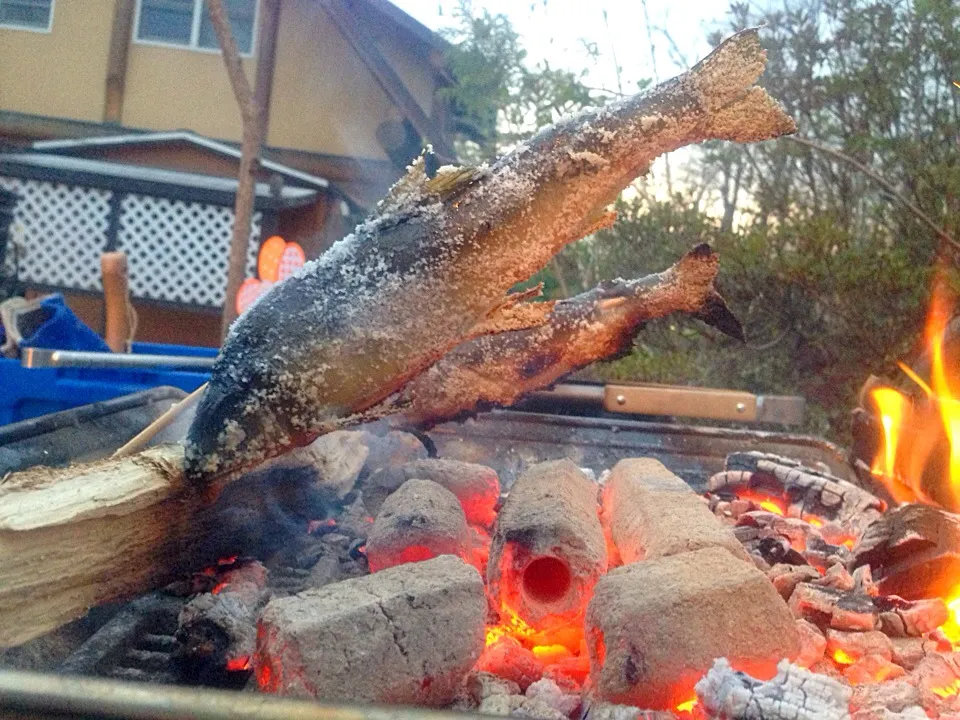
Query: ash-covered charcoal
(217, 630)
(651, 513)
(829, 607)
(654, 627)
(548, 548)
(432, 267)
(806, 491)
(848, 647)
(510, 660)
(421, 520)
(793, 694)
(550, 694)
(392, 448)
(477, 487)
(519, 706)
(872, 669)
(338, 459)
(599, 710)
(895, 697)
(813, 644)
(406, 635)
(910, 618)
(785, 577)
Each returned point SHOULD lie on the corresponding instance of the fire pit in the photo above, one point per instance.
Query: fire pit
(552, 603)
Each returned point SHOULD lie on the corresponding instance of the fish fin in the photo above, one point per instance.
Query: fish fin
(598, 220)
(408, 185)
(715, 313)
(512, 315)
(421, 181)
(524, 295)
(449, 179)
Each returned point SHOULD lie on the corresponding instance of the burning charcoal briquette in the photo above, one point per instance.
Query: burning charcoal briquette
(477, 487)
(652, 513)
(419, 521)
(654, 628)
(548, 548)
(407, 635)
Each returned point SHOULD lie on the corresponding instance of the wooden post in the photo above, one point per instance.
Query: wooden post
(116, 301)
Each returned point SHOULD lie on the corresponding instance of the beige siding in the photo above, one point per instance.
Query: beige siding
(324, 97)
(415, 72)
(171, 88)
(60, 73)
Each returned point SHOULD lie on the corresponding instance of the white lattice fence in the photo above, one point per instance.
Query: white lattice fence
(64, 232)
(178, 250)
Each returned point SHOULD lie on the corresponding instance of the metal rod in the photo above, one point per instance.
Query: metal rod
(59, 696)
(41, 358)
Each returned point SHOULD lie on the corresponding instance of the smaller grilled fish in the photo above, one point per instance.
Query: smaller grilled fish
(498, 370)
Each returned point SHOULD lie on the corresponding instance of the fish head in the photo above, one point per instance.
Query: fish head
(241, 422)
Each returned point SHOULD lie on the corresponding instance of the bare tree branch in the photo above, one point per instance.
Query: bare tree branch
(231, 57)
(882, 182)
(252, 118)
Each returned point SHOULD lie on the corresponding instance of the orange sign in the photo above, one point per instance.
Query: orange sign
(276, 261)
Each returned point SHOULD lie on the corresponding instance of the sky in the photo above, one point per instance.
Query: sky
(554, 30)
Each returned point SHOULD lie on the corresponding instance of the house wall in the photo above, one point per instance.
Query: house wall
(178, 88)
(324, 98)
(60, 73)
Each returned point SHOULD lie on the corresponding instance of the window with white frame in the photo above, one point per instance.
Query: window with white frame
(186, 23)
(26, 14)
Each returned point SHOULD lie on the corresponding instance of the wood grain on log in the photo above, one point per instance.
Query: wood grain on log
(76, 537)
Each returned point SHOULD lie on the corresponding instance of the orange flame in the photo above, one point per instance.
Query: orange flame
(841, 658)
(892, 407)
(687, 706)
(949, 405)
(512, 625)
(902, 460)
(948, 690)
(951, 628)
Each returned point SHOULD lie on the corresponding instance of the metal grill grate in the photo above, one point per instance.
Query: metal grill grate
(178, 250)
(64, 231)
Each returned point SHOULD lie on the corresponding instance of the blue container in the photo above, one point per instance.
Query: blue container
(31, 392)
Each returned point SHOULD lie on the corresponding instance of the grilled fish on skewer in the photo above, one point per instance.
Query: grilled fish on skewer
(431, 267)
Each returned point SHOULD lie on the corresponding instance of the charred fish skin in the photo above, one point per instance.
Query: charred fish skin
(600, 324)
(439, 254)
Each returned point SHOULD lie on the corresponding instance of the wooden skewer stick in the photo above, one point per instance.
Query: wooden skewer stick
(140, 440)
